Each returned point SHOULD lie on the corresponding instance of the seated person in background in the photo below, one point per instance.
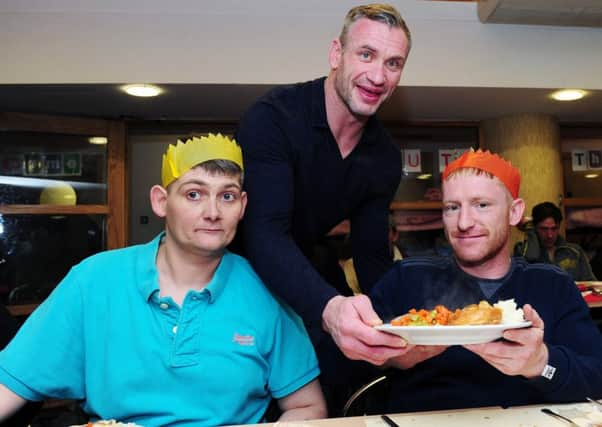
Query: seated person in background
(559, 363)
(349, 269)
(544, 244)
(175, 331)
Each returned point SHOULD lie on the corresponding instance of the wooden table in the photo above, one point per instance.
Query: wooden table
(523, 416)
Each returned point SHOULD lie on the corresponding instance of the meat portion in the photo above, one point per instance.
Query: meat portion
(482, 313)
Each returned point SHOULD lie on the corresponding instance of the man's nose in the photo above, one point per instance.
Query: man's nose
(377, 74)
(465, 219)
(212, 210)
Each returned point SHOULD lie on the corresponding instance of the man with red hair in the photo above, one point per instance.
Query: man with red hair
(559, 363)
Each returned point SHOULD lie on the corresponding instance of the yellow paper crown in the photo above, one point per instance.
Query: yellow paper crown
(182, 157)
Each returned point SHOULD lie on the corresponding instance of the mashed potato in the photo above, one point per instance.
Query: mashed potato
(510, 312)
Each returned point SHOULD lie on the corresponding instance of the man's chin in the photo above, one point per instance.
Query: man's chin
(364, 109)
(476, 259)
(470, 262)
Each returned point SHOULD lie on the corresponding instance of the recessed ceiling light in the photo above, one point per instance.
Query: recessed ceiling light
(424, 176)
(99, 140)
(142, 90)
(591, 175)
(568, 94)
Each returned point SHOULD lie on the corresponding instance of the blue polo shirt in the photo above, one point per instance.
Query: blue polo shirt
(107, 337)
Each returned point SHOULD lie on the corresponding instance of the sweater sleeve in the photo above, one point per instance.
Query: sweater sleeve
(268, 243)
(575, 350)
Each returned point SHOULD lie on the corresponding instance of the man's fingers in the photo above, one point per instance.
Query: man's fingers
(533, 316)
(370, 337)
(363, 307)
(377, 355)
(351, 321)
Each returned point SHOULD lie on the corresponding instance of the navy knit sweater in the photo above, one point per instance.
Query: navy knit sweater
(458, 378)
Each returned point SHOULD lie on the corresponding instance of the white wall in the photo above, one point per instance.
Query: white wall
(275, 41)
(145, 165)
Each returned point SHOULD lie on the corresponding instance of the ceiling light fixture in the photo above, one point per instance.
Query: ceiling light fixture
(143, 90)
(591, 175)
(424, 176)
(568, 94)
(98, 140)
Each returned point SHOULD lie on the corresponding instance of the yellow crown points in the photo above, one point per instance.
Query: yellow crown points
(182, 157)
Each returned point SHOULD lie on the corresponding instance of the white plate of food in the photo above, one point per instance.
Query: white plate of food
(451, 335)
(473, 324)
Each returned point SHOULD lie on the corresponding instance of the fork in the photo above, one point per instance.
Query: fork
(595, 402)
(560, 417)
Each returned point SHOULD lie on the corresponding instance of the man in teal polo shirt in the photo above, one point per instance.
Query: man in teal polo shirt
(176, 331)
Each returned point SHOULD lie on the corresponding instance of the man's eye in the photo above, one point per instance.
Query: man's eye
(483, 205)
(193, 195)
(229, 197)
(365, 55)
(394, 64)
(450, 208)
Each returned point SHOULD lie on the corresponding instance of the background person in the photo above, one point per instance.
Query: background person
(545, 244)
(559, 363)
(316, 155)
(175, 331)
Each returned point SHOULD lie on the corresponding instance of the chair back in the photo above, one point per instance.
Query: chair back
(369, 399)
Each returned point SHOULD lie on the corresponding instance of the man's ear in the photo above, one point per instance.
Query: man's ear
(334, 54)
(243, 199)
(158, 199)
(517, 209)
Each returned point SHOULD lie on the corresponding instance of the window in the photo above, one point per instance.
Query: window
(62, 199)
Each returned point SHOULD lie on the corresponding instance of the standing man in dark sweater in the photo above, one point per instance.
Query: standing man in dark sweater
(316, 155)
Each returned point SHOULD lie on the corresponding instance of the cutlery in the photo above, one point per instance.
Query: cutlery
(389, 421)
(598, 404)
(560, 417)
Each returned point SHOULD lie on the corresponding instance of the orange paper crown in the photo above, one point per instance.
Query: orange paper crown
(487, 162)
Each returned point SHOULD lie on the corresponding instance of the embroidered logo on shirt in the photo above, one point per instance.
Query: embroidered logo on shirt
(243, 339)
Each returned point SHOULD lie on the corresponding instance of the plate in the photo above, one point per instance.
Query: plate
(451, 335)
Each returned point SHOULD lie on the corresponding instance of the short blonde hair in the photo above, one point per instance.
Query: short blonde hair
(379, 12)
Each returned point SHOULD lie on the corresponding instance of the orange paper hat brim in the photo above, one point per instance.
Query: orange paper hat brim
(487, 162)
